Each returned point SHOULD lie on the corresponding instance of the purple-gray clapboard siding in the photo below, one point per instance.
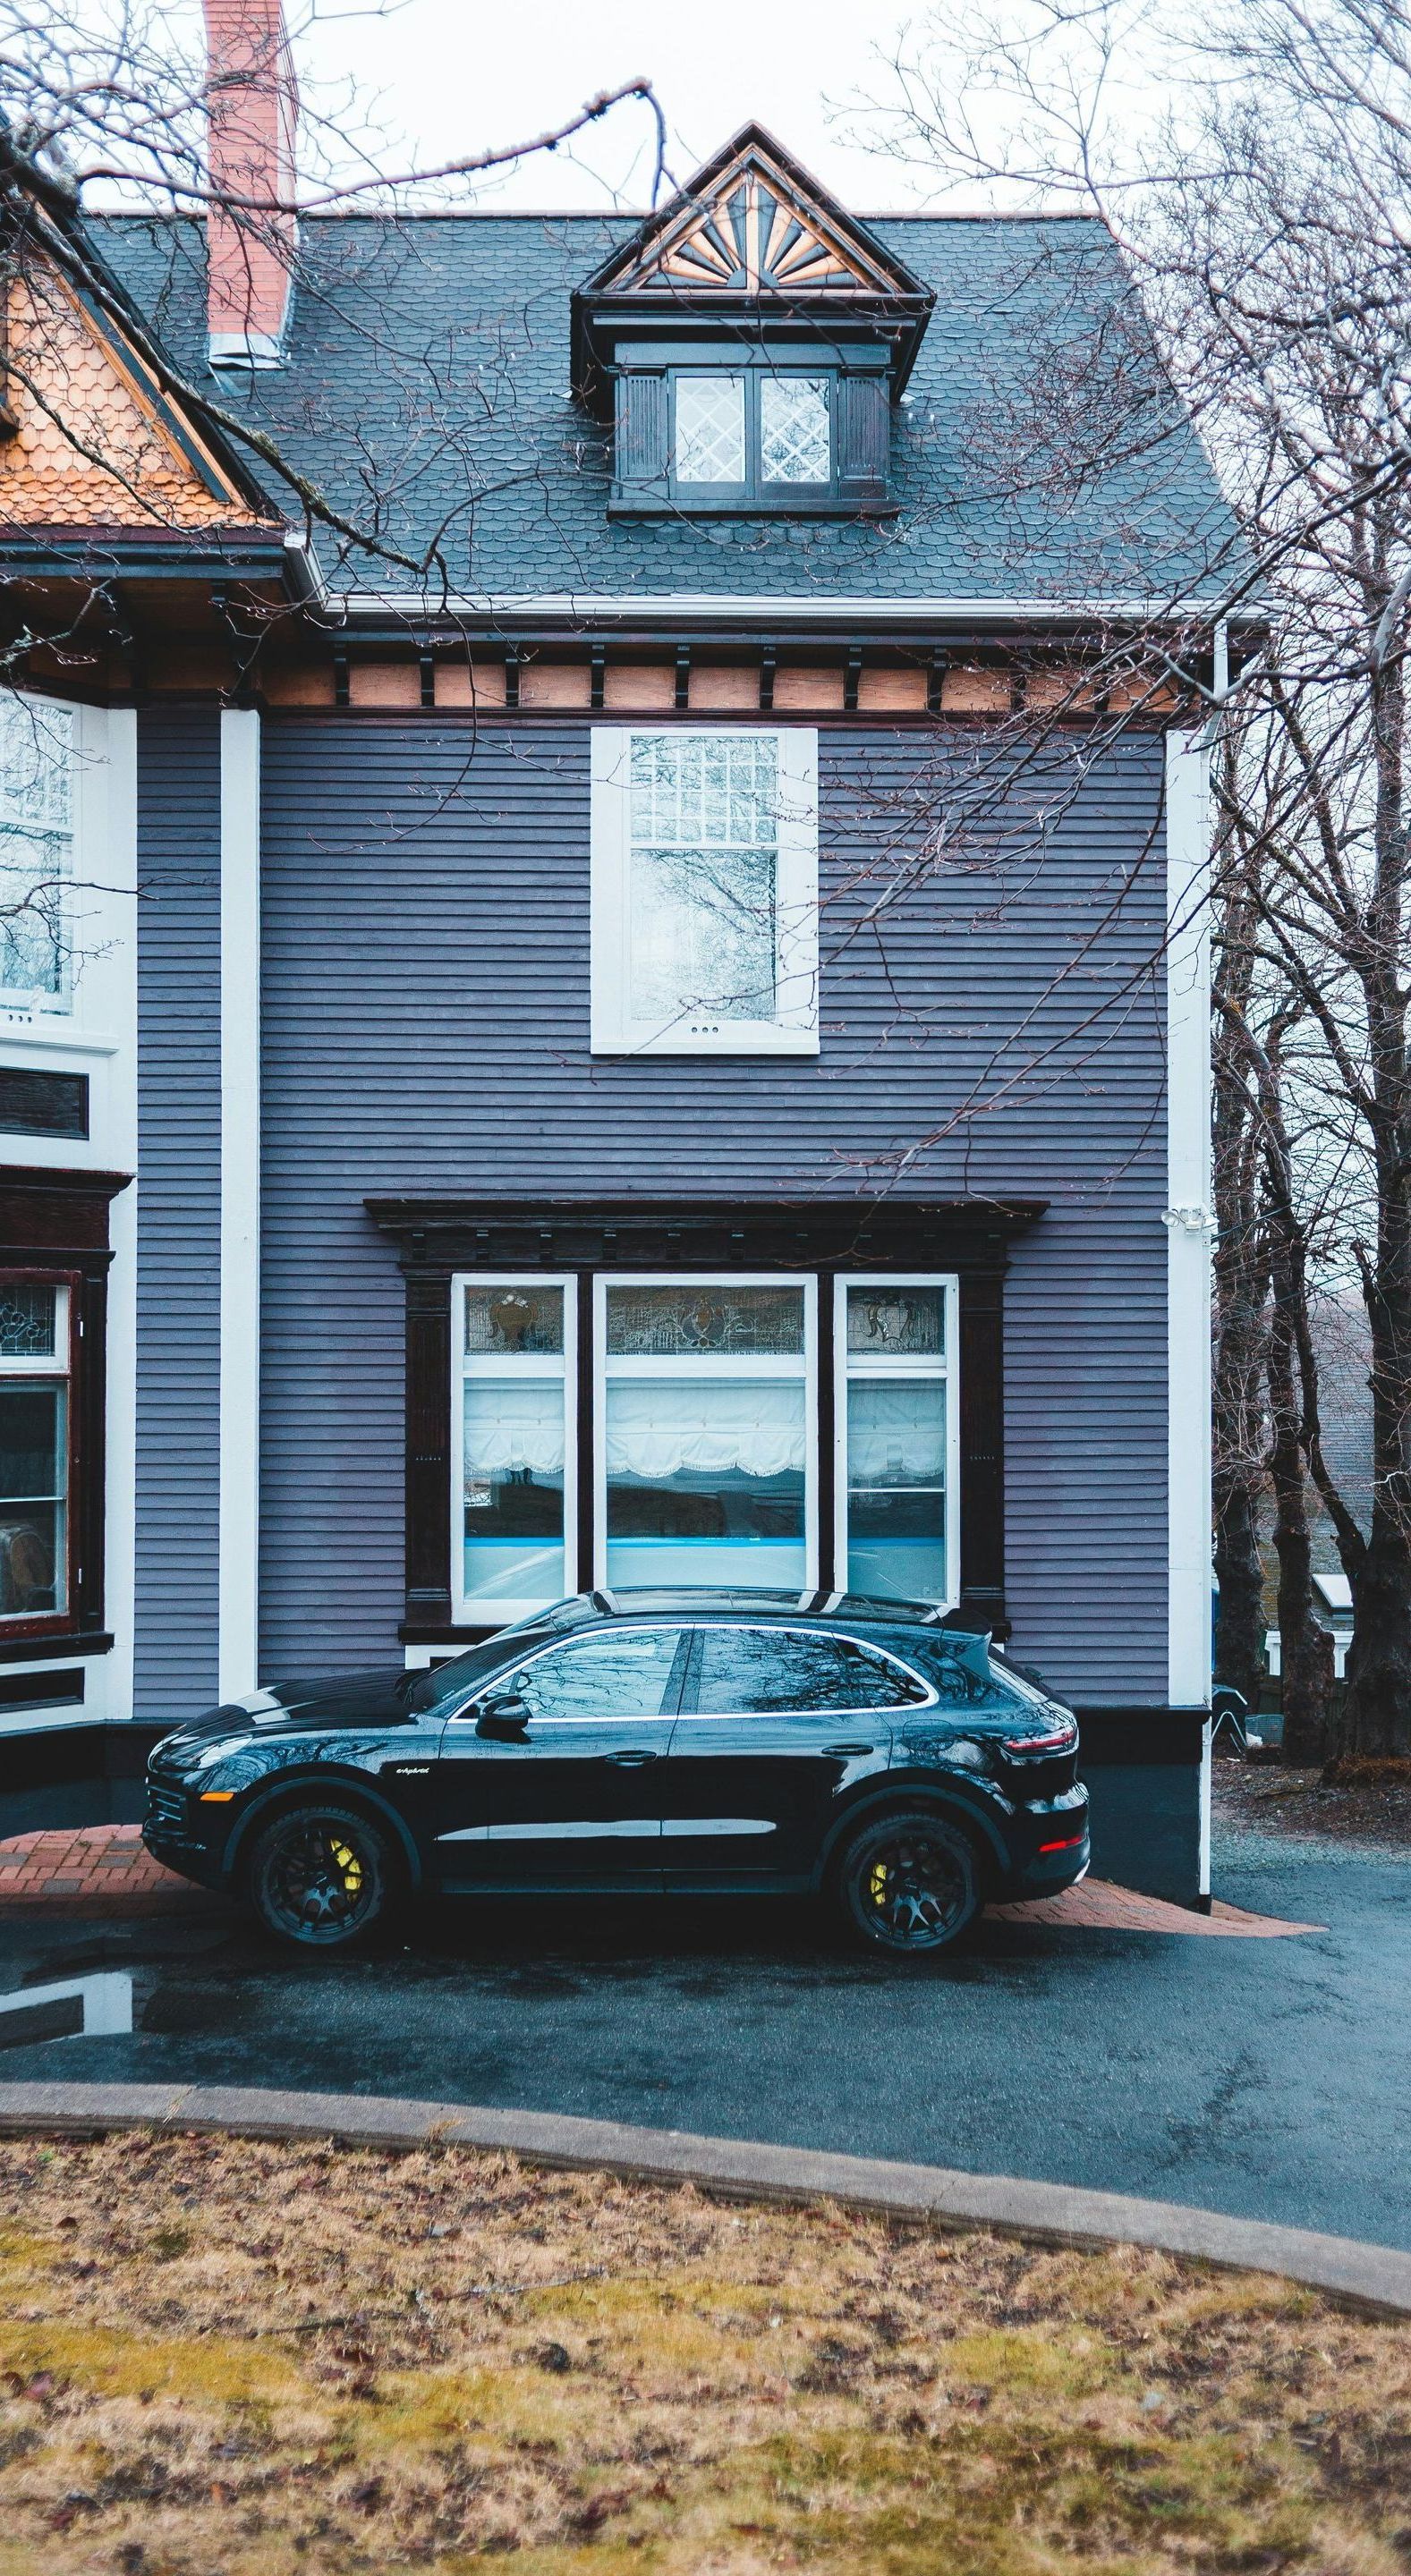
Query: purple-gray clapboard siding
(425, 1000)
(178, 1212)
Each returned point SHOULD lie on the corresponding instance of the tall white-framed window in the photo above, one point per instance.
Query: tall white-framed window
(705, 891)
(35, 1448)
(706, 1411)
(513, 1444)
(37, 796)
(898, 1437)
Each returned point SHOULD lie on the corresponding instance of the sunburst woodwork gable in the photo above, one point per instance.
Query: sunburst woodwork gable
(753, 237)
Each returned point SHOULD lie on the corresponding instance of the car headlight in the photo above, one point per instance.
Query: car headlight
(222, 1774)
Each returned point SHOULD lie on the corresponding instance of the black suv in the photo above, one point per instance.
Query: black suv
(691, 1742)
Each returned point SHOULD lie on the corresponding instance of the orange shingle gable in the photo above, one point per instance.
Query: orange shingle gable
(91, 449)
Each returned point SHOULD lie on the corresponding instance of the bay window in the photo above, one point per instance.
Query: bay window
(512, 1444)
(34, 1448)
(628, 1417)
(36, 847)
(897, 1438)
(706, 1438)
(705, 892)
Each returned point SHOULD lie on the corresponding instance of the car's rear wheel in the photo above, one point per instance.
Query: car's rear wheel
(323, 1876)
(908, 1884)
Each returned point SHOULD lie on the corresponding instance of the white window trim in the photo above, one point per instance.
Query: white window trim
(721, 1365)
(502, 1614)
(795, 1031)
(901, 1366)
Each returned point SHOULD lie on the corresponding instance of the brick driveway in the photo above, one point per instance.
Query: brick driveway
(103, 1869)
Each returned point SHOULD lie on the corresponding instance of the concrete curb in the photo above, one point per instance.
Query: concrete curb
(1376, 2278)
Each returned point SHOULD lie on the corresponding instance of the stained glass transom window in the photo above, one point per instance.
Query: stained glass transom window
(678, 1322)
(710, 429)
(795, 442)
(900, 1322)
(36, 837)
(703, 876)
(518, 1321)
(27, 1311)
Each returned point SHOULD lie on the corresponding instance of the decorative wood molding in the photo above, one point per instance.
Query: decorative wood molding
(55, 1210)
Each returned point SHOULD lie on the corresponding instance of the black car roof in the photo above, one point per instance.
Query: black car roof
(734, 1601)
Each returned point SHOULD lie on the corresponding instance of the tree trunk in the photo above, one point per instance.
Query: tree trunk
(1305, 1649)
(1241, 1289)
(1239, 1571)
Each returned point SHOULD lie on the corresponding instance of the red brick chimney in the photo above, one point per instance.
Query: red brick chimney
(253, 106)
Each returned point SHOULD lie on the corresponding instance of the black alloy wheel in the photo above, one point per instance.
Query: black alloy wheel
(909, 1884)
(321, 1876)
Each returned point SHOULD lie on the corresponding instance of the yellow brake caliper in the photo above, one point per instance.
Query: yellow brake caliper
(350, 1866)
(877, 1883)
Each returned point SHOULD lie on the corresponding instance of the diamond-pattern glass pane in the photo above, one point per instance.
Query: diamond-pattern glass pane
(710, 429)
(794, 441)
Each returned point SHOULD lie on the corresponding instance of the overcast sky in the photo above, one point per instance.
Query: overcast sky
(459, 75)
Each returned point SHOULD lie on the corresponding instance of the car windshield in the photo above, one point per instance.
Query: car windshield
(450, 1680)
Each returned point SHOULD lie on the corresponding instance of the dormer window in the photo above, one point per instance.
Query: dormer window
(756, 435)
(750, 340)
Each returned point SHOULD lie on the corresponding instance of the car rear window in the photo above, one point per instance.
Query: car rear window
(758, 1671)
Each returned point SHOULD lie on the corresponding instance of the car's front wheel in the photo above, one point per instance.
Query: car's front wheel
(322, 1876)
(908, 1883)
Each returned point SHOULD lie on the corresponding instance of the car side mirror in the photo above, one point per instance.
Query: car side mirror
(504, 1716)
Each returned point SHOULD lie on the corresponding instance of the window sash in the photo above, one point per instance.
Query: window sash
(479, 1372)
(754, 487)
(38, 795)
(712, 1370)
(55, 1509)
(893, 1369)
(617, 1028)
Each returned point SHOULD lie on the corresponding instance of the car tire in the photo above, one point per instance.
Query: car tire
(323, 1876)
(908, 1883)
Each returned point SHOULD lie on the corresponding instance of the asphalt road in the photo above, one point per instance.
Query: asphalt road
(1267, 2078)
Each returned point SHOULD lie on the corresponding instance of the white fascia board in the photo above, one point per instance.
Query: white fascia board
(1189, 1224)
(239, 1483)
(774, 607)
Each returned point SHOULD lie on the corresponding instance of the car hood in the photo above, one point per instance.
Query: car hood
(333, 1700)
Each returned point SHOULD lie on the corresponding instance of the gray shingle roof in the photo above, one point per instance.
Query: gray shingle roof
(428, 393)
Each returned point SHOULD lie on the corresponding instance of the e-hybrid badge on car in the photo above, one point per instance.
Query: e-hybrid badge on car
(697, 1743)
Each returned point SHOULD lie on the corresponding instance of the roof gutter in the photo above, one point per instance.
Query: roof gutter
(580, 609)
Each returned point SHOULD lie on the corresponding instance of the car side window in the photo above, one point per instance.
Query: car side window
(603, 1676)
(763, 1671)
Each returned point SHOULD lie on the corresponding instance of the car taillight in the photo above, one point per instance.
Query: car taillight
(1069, 1844)
(1054, 1736)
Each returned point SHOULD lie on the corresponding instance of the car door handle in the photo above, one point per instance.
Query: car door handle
(629, 1761)
(847, 1748)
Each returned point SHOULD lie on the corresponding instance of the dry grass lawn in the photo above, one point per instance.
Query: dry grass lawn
(256, 2359)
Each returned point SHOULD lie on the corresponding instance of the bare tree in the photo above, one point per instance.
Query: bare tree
(1262, 216)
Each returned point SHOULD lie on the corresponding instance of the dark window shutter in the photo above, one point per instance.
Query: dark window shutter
(864, 438)
(640, 461)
